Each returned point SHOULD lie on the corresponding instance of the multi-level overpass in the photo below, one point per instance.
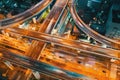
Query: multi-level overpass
(39, 57)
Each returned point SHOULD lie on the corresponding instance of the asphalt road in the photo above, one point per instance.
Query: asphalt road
(79, 45)
(47, 27)
(41, 67)
(85, 28)
(20, 18)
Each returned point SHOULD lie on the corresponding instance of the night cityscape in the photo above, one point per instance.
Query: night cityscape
(59, 39)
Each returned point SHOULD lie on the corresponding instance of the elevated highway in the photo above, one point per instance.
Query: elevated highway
(79, 45)
(47, 26)
(33, 64)
(22, 17)
(34, 61)
(39, 66)
(86, 29)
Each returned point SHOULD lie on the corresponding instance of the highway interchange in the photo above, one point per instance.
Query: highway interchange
(44, 52)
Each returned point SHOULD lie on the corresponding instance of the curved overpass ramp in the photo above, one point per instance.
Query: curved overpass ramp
(20, 18)
(86, 29)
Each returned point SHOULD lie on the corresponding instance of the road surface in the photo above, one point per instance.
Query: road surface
(41, 67)
(86, 29)
(79, 45)
(20, 18)
(47, 27)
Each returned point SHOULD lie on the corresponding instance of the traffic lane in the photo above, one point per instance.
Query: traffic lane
(88, 70)
(25, 15)
(70, 67)
(80, 57)
(53, 16)
(79, 45)
(82, 26)
(36, 65)
(36, 47)
(47, 27)
(63, 51)
(13, 43)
